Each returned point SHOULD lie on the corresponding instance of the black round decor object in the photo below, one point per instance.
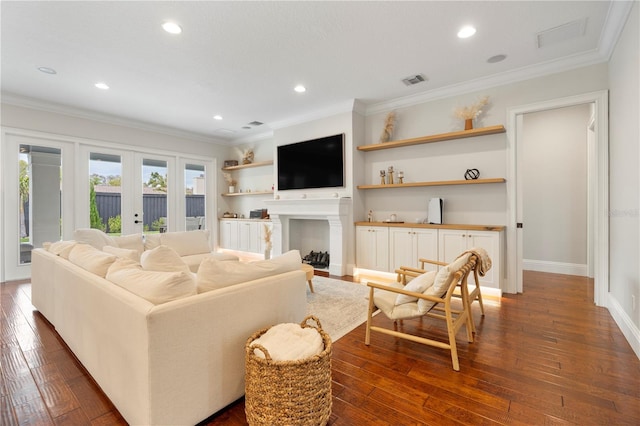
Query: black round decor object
(471, 174)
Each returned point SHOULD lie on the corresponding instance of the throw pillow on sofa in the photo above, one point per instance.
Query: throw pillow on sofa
(155, 286)
(123, 253)
(62, 248)
(94, 237)
(91, 259)
(214, 274)
(163, 258)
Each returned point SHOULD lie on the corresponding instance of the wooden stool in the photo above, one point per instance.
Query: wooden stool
(308, 269)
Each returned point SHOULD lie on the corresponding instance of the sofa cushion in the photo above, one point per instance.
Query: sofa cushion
(151, 241)
(62, 248)
(122, 253)
(193, 261)
(188, 242)
(214, 274)
(163, 258)
(91, 259)
(94, 237)
(155, 286)
(131, 242)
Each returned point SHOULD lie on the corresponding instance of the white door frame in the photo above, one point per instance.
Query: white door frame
(598, 165)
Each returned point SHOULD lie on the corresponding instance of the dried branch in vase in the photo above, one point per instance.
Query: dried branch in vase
(472, 111)
(389, 124)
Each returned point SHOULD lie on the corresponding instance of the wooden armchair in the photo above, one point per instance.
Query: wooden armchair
(428, 294)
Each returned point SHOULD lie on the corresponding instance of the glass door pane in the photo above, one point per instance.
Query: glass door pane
(105, 192)
(154, 195)
(195, 195)
(40, 198)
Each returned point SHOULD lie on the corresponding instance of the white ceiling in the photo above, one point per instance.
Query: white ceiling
(242, 59)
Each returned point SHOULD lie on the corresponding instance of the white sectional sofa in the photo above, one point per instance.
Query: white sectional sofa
(179, 358)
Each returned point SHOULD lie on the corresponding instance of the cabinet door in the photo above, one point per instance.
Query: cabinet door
(402, 248)
(490, 241)
(229, 234)
(451, 243)
(372, 247)
(426, 244)
(244, 236)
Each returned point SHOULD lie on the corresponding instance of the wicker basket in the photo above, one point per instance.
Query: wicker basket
(288, 392)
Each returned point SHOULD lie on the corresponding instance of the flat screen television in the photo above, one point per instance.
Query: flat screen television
(316, 163)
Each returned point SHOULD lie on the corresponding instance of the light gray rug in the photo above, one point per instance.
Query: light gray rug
(340, 306)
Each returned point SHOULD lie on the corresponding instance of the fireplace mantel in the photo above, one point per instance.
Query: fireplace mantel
(337, 211)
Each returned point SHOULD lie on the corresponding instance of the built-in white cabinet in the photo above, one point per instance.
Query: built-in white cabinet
(404, 245)
(243, 235)
(452, 242)
(409, 244)
(372, 243)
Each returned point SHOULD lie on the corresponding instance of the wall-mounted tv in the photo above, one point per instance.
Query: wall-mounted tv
(316, 163)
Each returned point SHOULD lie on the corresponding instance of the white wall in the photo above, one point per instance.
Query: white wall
(554, 163)
(481, 204)
(624, 201)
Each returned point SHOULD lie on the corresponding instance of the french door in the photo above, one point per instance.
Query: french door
(127, 192)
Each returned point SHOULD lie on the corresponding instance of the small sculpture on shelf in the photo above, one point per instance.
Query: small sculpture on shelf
(472, 174)
(383, 174)
(401, 177)
(390, 175)
(389, 123)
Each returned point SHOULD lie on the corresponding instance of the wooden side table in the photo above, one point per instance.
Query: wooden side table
(308, 269)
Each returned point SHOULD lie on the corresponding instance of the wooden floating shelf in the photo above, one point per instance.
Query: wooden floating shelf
(435, 183)
(434, 226)
(237, 194)
(492, 130)
(246, 166)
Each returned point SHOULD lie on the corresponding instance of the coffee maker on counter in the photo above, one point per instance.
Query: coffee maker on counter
(434, 213)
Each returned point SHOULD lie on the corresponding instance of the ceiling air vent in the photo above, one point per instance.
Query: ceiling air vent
(414, 79)
(561, 33)
(256, 123)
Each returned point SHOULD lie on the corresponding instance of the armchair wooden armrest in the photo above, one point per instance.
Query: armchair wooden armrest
(403, 291)
(406, 271)
(432, 262)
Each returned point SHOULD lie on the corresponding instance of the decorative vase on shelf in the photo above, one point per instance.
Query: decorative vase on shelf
(468, 124)
(267, 254)
(232, 189)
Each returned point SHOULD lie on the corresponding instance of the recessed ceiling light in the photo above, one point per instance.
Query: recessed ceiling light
(171, 27)
(466, 31)
(102, 86)
(300, 88)
(47, 70)
(217, 117)
(496, 58)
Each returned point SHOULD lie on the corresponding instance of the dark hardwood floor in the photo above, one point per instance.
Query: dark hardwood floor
(548, 356)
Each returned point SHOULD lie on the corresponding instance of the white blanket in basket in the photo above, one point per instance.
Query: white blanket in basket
(290, 342)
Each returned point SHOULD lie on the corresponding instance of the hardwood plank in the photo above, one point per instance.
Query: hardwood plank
(546, 357)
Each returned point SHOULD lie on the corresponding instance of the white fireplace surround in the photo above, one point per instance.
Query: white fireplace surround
(337, 211)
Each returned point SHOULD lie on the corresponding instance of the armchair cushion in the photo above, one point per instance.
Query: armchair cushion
(417, 285)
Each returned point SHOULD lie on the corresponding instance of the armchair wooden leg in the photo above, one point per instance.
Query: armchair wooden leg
(367, 337)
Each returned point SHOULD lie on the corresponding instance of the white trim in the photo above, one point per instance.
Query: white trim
(625, 323)
(599, 165)
(555, 267)
(40, 105)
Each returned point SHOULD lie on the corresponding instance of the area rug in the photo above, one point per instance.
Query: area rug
(340, 306)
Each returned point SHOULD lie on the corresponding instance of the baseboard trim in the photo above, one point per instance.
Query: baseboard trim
(555, 267)
(630, 331)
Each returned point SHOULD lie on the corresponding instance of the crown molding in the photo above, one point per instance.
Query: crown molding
(26, 102)
(614, 24)
(500, 79)
(346, 106)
